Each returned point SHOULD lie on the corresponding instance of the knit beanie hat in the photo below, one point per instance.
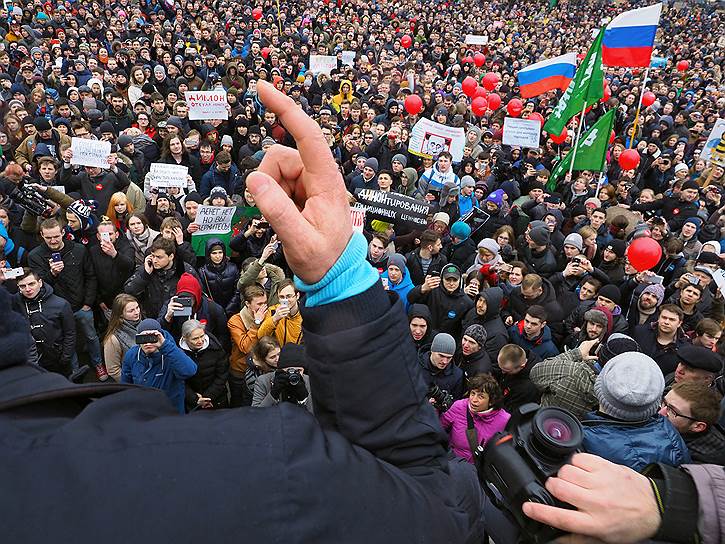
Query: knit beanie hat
(148, 325)
(467, 181)
(540, 236)
(496, 197)
(574, 240)
(402, 159)
(611, 292)
(443, 343)
(81, 210)
(616, 344)
(398, 261)
(460, 230)
(477, 333)
(618, 247)
(218, 192)
(193, 196)
(657, 290)
(630, 387)
(696, 221)
(489, 244)
(596, 316)
(372, 162)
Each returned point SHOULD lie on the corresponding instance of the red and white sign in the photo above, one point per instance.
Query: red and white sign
(207, 105)
(357, 214)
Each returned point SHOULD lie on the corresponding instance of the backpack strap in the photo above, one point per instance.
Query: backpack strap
(471, 434)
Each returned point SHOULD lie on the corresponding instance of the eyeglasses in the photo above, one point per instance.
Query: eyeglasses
(671, 411)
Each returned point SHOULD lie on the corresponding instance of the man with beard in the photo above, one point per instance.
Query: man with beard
(643, 308)
(473, 357)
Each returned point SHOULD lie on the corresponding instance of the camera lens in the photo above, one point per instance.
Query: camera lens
(556, 432)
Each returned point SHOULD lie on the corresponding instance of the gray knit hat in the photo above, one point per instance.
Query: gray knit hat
(477, 333)
(630, 387)
(575, 240)
(443, 343)
(402, 159)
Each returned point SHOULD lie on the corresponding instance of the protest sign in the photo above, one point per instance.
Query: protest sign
(207, 105)
(348, 58)
(59, 188)
(322, 64)
(393, 208)
(357, 215)
(713, 139)
(429, 139)
(523, 132)
(168, 175)
(92, 153)
(473, 39)
(658, 62)
(214, 219)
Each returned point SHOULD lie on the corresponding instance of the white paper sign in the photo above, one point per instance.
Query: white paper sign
(522, 132)
(214, 219)
(59, 188)
(473, 39)
(713, 139)
(348, 58)
(90, 152)
(719, 277)
(168, 175)
(322, 64)
(207, 105)
(429, 139)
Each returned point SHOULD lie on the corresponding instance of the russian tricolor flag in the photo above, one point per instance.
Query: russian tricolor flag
(547, 75)
(630, 37)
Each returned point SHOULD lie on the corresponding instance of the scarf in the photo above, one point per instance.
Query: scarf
(126, 334)
(141, 243)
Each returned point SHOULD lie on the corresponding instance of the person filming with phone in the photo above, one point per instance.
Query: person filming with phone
(284, 321)
(156, 361)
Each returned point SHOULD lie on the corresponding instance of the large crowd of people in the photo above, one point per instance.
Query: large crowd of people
(538, 303)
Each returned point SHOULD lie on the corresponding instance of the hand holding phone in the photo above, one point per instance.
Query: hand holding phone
(147, 338)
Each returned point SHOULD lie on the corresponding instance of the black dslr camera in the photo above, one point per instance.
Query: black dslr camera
(27, 197)
(514, 464)
(287, 386)
(442, 398)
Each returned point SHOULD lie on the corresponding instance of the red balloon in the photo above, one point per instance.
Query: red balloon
(257, 13)
(494, 101)
(683, 65)
(629, 159)
(265, 52)
(469, 86)
(413, 104)
(560, 138)
(648, 99)
(406, 41)
(538, 117)
(607, 93)
(514, 107)
(479, 106)
(479, 59)
(612, 136)
(490, 80)
(480, 91)
(467, 60)
(644, 253)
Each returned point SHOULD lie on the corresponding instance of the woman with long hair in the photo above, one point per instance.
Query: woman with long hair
(137, 81)
(173, 151)
(121, 332)
(139, 235)
(119, 210)
(263, 358)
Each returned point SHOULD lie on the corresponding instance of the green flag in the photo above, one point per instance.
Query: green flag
(553, 3)
(591, 152)
(585, 89)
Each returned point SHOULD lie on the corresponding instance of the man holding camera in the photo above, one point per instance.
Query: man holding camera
(156, 361)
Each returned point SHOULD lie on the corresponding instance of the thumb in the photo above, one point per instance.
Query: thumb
(277, 207)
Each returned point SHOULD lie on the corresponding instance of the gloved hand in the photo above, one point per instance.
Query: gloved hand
(283, 390)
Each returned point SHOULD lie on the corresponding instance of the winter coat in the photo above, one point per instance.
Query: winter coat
(665, 356)
(53, 327)
(518, 389)
(542, 263)
(76, 283)
(155, 289)
(212, 370)
(287, 331)
(114, 272)
(401, 288)
(447, 309)
(450, 378)
(219, 282)
(475, 363)
(455, 422)
(392, 442)
(497, 335)
(165, 369)
(99, 188)
(462, 255)
(116, 346)
(543, 345)
(634, 445)
(231, 181)
(415, 266)
(517, 304)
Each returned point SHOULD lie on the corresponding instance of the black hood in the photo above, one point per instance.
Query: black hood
(493, 297)
(210, 244)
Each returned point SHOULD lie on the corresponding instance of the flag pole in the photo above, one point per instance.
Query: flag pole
(639, 106)
(599, 183)
(576, 141)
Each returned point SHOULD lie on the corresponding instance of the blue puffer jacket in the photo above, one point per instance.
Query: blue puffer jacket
(166, 369)
(655, 441)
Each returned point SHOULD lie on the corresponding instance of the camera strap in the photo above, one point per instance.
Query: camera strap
(471, 434)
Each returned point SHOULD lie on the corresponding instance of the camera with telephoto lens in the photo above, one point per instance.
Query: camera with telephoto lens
(30, 199)
(514, 465)
(442, 398)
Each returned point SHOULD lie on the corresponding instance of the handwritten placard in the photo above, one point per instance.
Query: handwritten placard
(92, 153)
(207, 105)
(168, 175)
(322, 64)
(523, 132)
(214, 219)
